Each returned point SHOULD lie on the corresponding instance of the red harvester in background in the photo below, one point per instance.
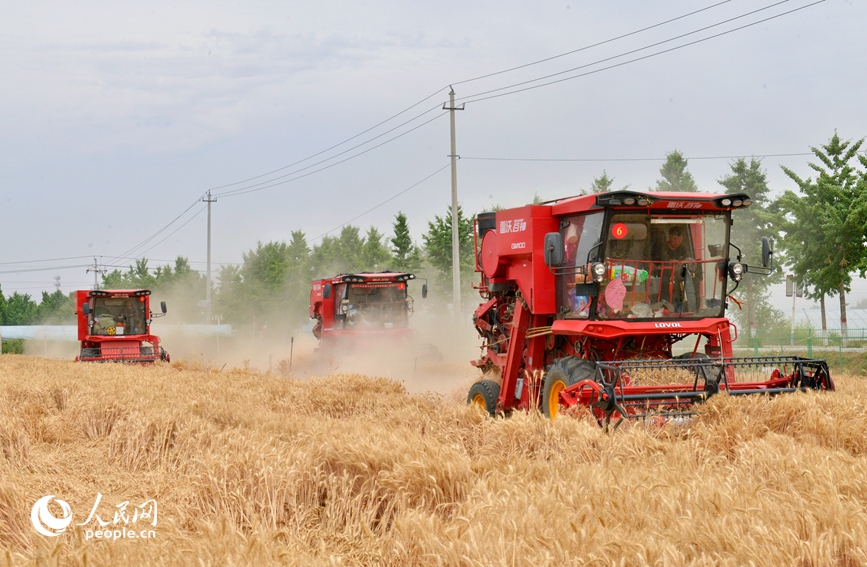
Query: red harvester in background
(587, 299)
(354, 311)
(114, 326)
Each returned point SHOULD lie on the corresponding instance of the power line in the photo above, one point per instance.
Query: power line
(244, 190)
(475, 98)
(25, 270)
(586, 47)
(466, 98)
(45, 260)
(154, 235)
(395, 196)
(634, 159)
(175, 230)
(404, 111)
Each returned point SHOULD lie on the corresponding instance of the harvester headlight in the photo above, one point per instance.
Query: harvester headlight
(736, 271)
(748, 202)
(726, 202)
(643, 202)
(629, 201)
(598, 271)
(738, 203)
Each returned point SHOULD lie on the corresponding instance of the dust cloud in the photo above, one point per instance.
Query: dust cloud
(439, 362)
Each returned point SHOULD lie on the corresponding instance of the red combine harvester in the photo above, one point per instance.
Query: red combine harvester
(587, 299)
(114, 326)
(357, 310)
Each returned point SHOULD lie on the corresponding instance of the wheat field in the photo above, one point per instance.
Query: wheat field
(250, 468)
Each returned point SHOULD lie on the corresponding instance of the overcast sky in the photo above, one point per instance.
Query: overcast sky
(117, 117)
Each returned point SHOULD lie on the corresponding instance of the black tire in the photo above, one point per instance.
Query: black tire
(563, 373)
(90, 353)
(713, 372)
(484, 395)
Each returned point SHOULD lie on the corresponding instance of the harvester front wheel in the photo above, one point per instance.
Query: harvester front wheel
(484, 395)
(563, 373)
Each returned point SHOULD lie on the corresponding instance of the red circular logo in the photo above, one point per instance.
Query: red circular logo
(619, 230)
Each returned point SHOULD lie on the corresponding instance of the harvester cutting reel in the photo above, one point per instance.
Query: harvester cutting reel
(662, 390)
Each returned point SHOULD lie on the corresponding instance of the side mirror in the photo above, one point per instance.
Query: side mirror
(163, 306)
(85, 308)
(767, 253)
(424, 291)
(553, 249)
(326, 291)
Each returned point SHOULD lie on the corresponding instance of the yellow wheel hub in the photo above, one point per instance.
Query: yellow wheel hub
(554, 398)
(479, 402)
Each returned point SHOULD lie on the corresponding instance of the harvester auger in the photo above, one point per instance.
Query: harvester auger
(588, 299)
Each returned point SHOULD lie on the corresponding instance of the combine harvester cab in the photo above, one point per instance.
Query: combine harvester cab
(115, 326)
(355, 312)
(588, 299)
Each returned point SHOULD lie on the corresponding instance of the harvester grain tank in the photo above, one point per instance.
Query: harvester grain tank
(354, 311)
(587, 301)
(115, 326)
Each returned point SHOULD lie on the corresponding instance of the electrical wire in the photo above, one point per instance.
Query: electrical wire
(468, 99)
(586, 47)
(395, 196)
(200, 211)
(404, 111)
(632, 159)
(243, 189)
(45, 260)
(26, 270)
(157, 233)
(246, 190)
(477, 97)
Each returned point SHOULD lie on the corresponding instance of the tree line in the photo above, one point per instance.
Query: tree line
(818, 231)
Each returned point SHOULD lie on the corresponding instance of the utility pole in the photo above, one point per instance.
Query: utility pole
(208, 279)
(57, 282)
(96, 271)
(456, 264)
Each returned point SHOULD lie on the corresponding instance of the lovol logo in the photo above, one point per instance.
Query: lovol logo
(667, 325)
(45, 522)
(519, 245)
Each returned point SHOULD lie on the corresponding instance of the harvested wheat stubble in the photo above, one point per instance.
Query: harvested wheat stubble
(255, 469)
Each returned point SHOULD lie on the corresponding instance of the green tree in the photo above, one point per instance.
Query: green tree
(336, 255)
(229, 301)
(299, 278)
(407, 256)
(182, 287)
(602, 184)
(825, 236)
(20, 310)
(438, 249)
(2, 308)
(750, 225)
(375, 257)
(56, 308)
(675, 177)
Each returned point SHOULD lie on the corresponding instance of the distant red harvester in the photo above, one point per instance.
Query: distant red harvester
(585, 297)
(114, 326)
(352, 310)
